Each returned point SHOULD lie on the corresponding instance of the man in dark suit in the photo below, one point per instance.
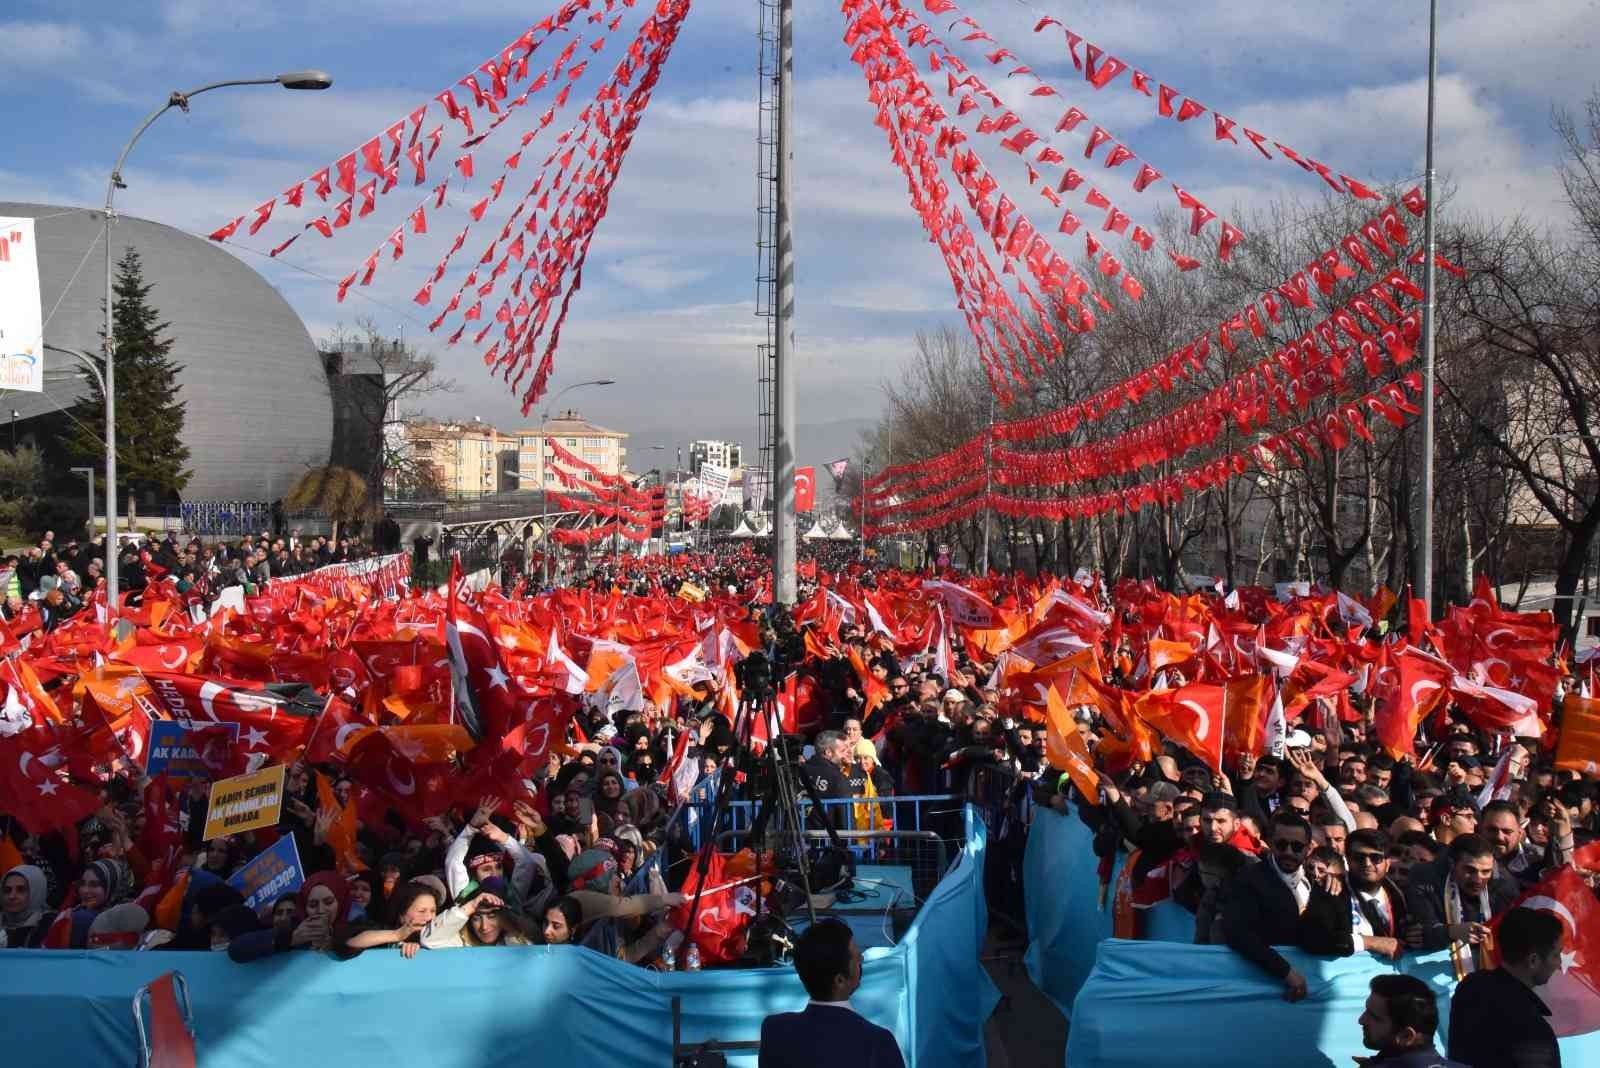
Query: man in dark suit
(828, 1033)
(1496, 1019)
(1263, 903)
(1369, 911)
(1453, 898)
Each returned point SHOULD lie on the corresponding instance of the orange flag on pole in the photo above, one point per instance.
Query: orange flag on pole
(1064, 748)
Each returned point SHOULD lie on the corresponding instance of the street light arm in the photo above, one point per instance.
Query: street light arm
(85, 359)
(180, 100)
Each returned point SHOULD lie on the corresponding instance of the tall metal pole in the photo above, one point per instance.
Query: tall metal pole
(988, 478)
(309, 79)
(113, 548)
(783, 526)
(1424, 561)
(544, 500)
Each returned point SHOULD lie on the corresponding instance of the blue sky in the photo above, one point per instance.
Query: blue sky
(667, 305)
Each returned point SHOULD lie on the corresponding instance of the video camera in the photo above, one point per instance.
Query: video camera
(754, 675)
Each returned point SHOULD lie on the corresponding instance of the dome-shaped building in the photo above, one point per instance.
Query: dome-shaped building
(259, 409)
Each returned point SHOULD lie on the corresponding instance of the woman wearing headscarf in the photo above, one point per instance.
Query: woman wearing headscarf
(23, 917)
(104, 883)
(483, 920)
(324, 901)
(610, 804)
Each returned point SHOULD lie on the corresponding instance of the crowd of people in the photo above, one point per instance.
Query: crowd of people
(57, 578)
(1319, 836)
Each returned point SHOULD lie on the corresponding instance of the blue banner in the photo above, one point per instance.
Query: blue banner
(498, 1008)
(1163, 999)
(273, 872)
(170, 751)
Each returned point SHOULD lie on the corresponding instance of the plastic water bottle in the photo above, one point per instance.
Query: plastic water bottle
(669, 958)
(691, 957)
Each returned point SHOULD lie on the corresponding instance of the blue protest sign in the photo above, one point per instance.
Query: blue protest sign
(171, 752)
(275, 871)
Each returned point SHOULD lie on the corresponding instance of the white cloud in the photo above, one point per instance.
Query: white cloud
(41, 44)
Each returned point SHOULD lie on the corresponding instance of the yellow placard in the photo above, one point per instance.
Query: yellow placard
(245, 803)
(690, 592)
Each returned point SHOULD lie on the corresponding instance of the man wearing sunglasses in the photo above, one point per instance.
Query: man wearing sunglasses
(1264, 902)
(1368, 914)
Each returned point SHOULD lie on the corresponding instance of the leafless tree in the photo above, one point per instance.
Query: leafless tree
(378, 383)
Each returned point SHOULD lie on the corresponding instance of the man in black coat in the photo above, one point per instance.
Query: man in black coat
(828, 1032)
(1496, 1018)
(1453, 899)
(1369, 912)
(1398, 1024)
(1263, 904)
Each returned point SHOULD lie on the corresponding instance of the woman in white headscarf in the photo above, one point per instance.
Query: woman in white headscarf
(23, 917)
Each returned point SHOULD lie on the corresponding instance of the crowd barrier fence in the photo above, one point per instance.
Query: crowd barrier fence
(489, 1007)
(1131, 1004)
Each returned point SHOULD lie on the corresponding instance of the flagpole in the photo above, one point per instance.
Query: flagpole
(1424, 561)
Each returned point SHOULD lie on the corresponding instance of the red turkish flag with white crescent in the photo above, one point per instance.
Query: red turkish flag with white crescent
(805, 489)
(1573, 993)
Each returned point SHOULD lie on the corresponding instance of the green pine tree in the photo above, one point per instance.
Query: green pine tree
(151, 457)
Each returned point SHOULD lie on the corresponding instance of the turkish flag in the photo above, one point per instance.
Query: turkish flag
(1423, 683)
(417, 791)
(485, 700)
(268, 722)
(31, 787)
(336, 731)
(727, 906)
(1573, 993)
(1192, 716)
(805, 489)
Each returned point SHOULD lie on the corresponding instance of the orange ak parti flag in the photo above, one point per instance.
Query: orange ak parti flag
(1064, 748)
(1578, 748)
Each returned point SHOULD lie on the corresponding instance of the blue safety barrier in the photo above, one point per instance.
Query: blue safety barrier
(1155, 1001)
(480, 1008)
(912, 812)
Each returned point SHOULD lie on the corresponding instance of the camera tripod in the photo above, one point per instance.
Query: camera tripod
(780, 796)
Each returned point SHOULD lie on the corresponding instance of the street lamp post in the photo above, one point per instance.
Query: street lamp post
(300, 79)
(111, 471)
(88, 474)
(544, 444)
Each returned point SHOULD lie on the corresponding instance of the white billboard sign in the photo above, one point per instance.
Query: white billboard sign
(21, 322)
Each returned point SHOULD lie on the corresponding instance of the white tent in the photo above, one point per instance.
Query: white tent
(742, 530)
(841, 533)
(815, 533)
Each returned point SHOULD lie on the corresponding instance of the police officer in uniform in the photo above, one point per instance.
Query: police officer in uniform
(827, 772)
